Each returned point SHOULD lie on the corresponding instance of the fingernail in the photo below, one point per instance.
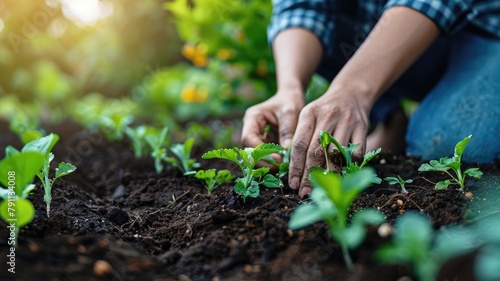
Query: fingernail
(286, 143)
(294, 183)
(304, 191)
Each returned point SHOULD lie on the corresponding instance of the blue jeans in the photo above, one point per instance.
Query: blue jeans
(457, 82)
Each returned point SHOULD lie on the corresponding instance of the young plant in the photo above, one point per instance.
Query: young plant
(44, 146)
(446, 164)
(213, 178)
(350, 166)
(27, 129)
(16, 175)
(156, 141)
(137, 137)
(113, 124)
(247, 159)
(399, 180)
(182, 159)
(332, 196)
(414, 243)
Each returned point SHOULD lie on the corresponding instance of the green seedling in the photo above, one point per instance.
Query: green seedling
(332, 197)
(137, 137)
(350, 166)
(213, 178)
(414, 243)
(446, 164)
(16, 175)
(156, 141)
(399, 180)
(247, 159)
(113, 125)
(44, 146)
(27, 129)
(182, 157)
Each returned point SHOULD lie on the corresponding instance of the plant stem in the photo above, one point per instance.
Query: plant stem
(347, 257)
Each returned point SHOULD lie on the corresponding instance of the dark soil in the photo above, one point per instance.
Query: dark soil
(115, 219)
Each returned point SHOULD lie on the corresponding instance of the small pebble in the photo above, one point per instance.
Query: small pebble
(383, 161)
(81, 249)
(102, 268)
(290, 232)
(399, 202)
(384, 230)
(469, 195)
(34, 247)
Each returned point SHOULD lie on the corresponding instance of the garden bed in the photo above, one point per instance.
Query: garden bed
(116, 219)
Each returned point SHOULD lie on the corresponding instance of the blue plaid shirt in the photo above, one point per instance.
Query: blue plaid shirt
(319, 16)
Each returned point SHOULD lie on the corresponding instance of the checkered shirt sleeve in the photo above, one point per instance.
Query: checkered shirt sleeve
(316, 16)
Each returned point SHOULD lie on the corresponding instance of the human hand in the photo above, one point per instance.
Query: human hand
(281, 111)
(344, 114)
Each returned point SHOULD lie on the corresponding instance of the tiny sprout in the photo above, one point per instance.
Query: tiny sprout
(398, 180)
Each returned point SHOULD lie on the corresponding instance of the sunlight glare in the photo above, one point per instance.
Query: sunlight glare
(86, 12)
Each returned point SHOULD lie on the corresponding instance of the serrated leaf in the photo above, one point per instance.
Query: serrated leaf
(205, 174)
(370, 155)
(223, 153)
(265, 149)
(474, 172)
(224, 176)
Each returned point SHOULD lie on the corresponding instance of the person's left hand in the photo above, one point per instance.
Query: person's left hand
(342, 113)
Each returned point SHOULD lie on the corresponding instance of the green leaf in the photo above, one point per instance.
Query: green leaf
(474, 172)
(355, 233)
(224, 176)
(10, 150)
(240, 187)
(253, 190)
(271, 181)
(64, 169)
(257, 173)
(460, 146)
(43, 144)
(205, 174)
(442, 184)
(223, 153)
(324, 138)
(305, 215)
(25, 165)
(20, 209)
(265, 149)
(369, 156)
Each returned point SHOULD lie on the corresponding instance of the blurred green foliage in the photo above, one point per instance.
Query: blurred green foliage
(48, 59)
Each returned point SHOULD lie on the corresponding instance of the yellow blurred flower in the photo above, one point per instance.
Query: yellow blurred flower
(197, 54)
(224, 54)
(191, 94)
(189, 51)
(200, 60)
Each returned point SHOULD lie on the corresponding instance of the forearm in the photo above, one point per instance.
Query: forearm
(297, 53)
(398, 39)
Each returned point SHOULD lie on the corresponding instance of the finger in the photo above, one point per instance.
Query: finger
(300, 146)
(288, 123)
(253, 126)
(315, 157)
(359, 136)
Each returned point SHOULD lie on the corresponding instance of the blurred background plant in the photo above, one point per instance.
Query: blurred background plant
(108, 64)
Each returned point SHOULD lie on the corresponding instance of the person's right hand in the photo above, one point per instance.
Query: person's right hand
(282, 111)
